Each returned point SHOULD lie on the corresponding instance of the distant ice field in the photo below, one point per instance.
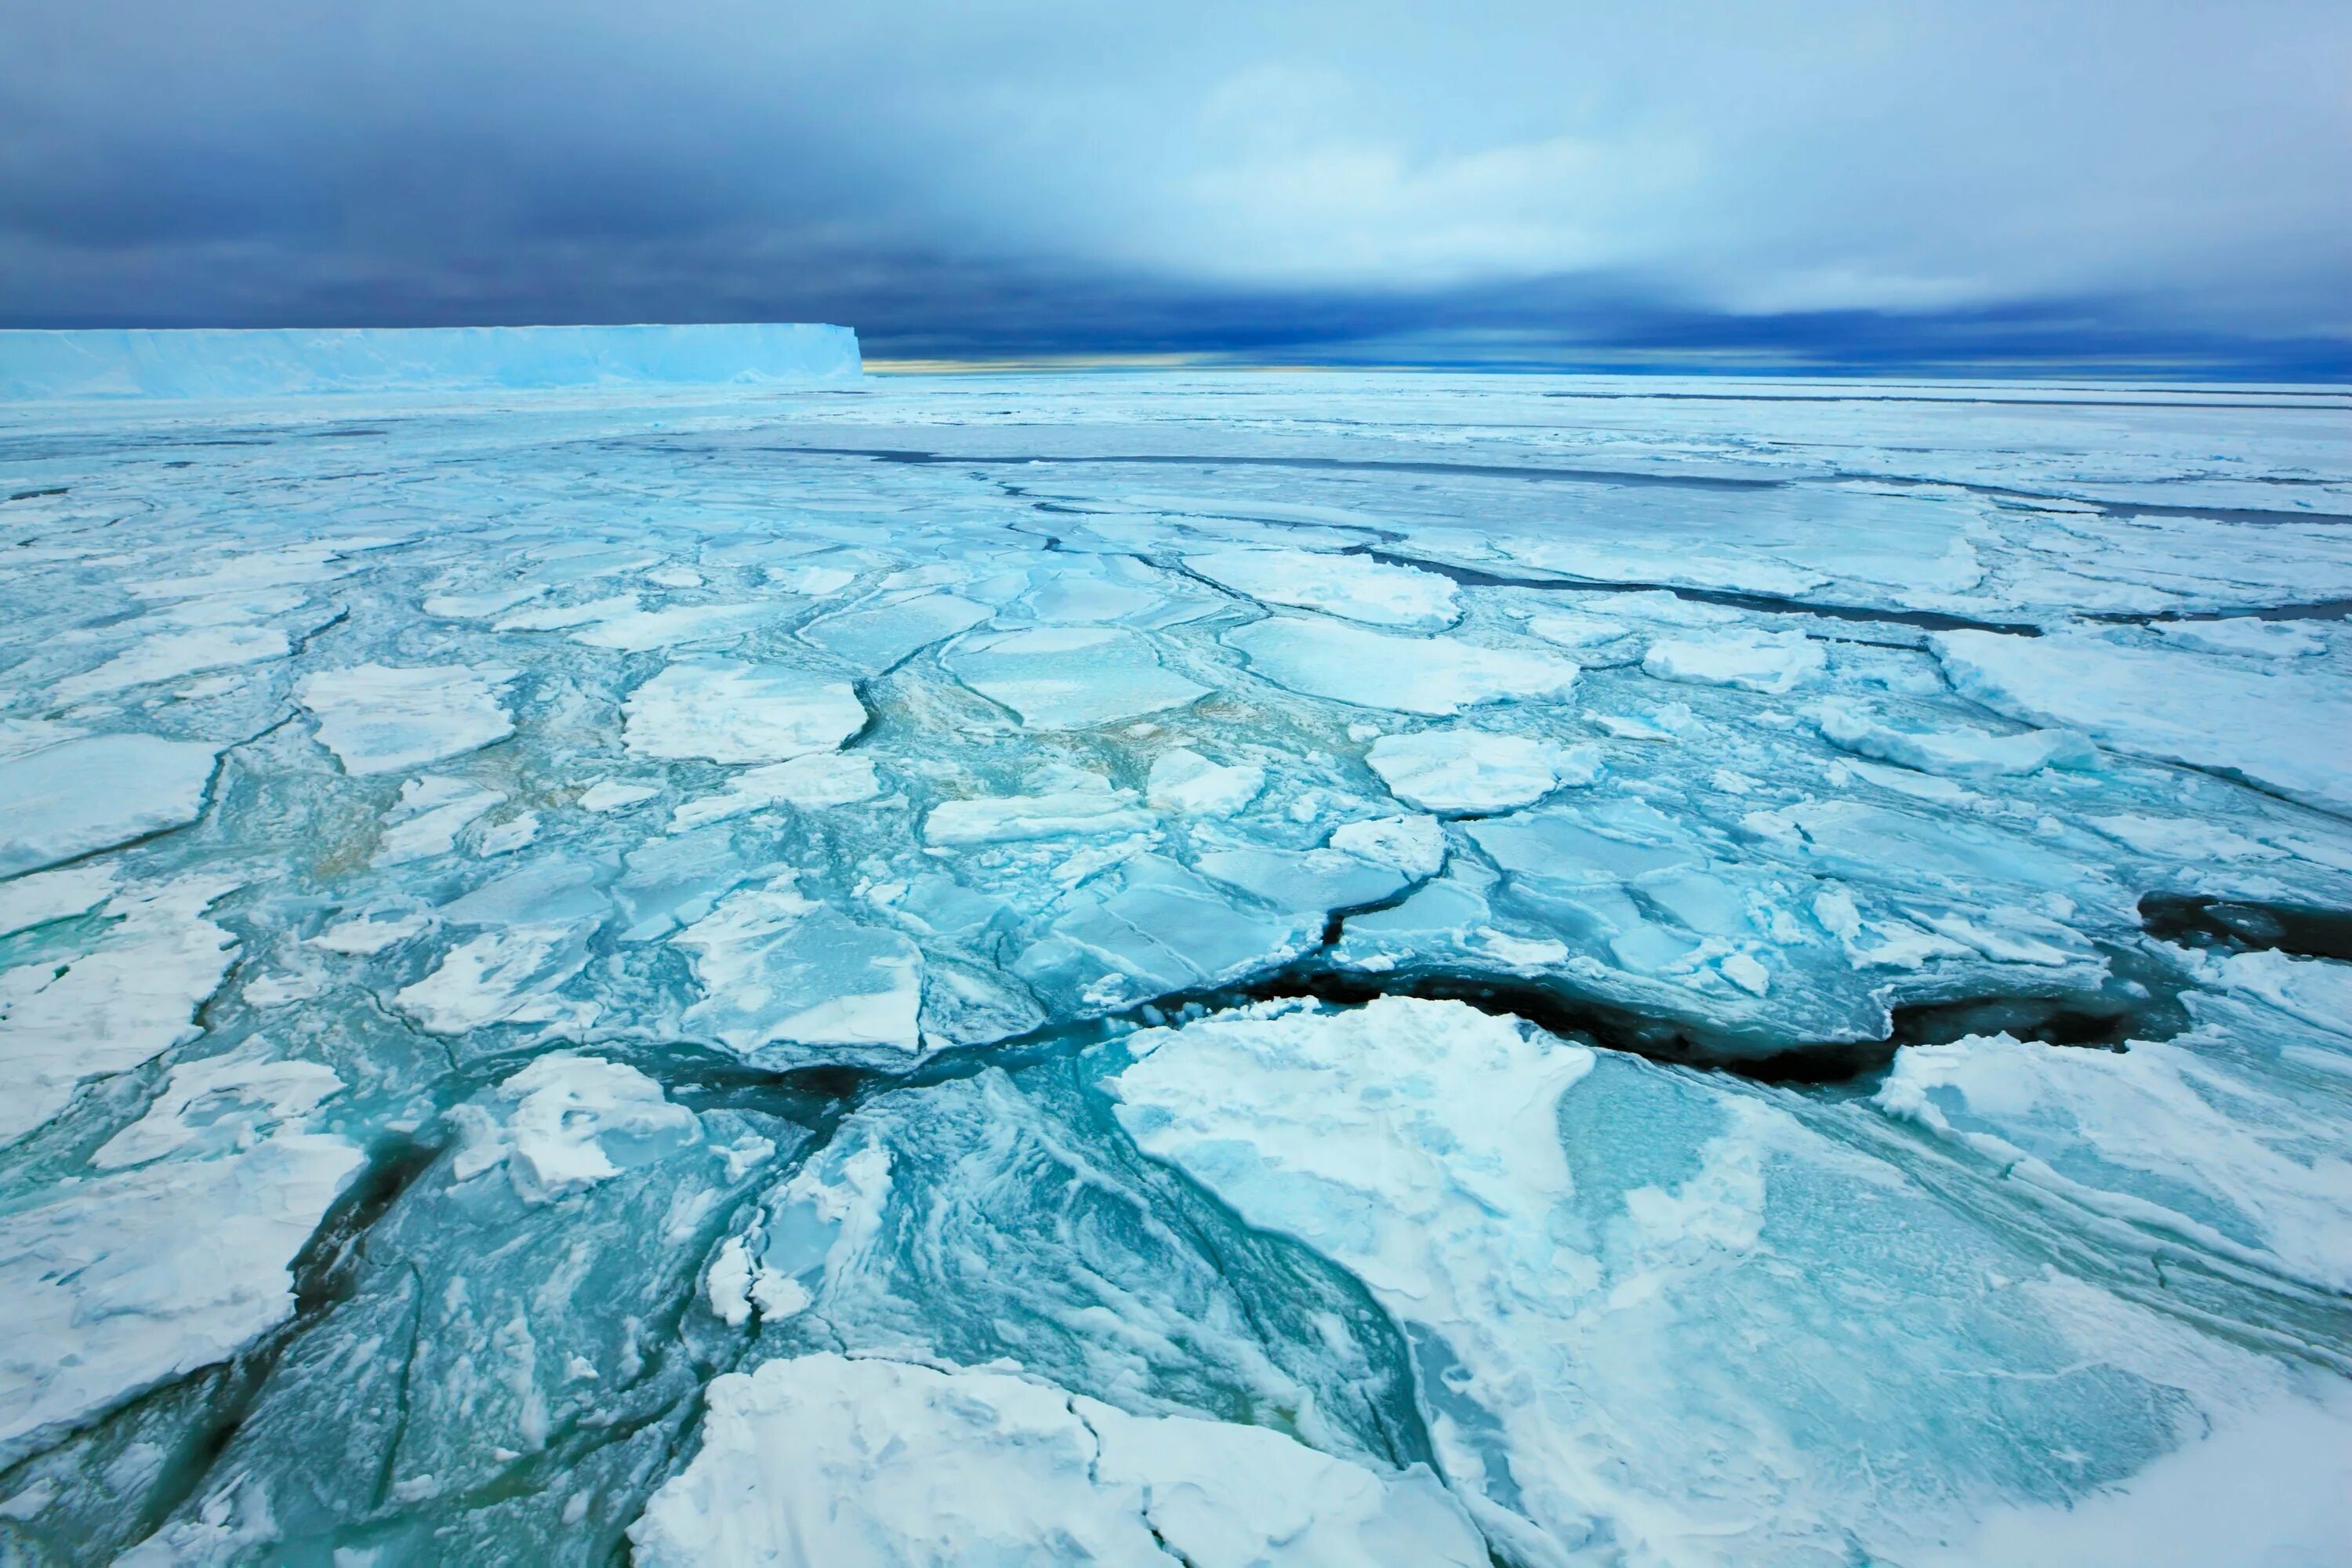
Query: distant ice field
(1309, 969)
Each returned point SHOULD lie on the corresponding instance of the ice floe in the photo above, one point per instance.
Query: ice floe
(729, 712)
(175, 1256)
(173, 655)
(1770, 662)
(566, 1122)
(1629, 1326)
(777, 969)
(1438, 675)
(1473, 771)
(381, 719)
(1355, 586)
(2282, 727)
(66, 800)
(122, 999)
(821, 779)
(1182, 780)
(828, 1460)
(1069, 677)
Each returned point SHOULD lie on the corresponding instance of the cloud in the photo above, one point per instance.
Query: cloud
(1215, 176)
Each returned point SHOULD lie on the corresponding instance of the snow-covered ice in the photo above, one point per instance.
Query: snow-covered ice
(824, 1459)
(2287, 728)
(377, 719)
(80, 795)
(1066, 678)
(1466, 769)
(1173, 967)
(1435, 675)
(1355, 586)
(734, 712)
(1631, 1326)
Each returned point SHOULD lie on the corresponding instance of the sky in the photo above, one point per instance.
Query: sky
(1985, 186)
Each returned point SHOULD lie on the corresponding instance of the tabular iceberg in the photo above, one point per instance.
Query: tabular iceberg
(200, 362)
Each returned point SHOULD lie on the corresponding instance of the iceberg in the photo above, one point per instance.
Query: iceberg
(200, 362)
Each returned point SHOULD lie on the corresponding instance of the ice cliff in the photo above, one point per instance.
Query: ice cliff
(207, 362)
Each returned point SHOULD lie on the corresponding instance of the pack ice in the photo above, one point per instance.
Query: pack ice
(694, 959)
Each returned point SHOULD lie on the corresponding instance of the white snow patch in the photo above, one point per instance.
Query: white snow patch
(172, 654)
(1414, 845)
(368, 934)
(1957, 751)
(613, 794)
(220, 1105)
(503, 976)
(2243, 635)
(1067, 802)
(824, 779)
(778, 969)
(427, 817)
(121, 1283)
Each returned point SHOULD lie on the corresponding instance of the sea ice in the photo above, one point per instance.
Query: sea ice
(729, 712)
(2283, 726)
(825, 1459)
(1182, 780)
(878, 636)
(566, 1122)
(1770, 662)
(1437, 675)
(427, 817)
(125, 998)
(1629, 1321)
(175, 1258)
(564, 955)
(1355, 586)
(821, 779)
(1472, 771)
(2244, 634)
(1070, 677)
(1065, 803)
(172, 654)
(777, 969)
(378, 718)
(1958, 751)
(67, 800)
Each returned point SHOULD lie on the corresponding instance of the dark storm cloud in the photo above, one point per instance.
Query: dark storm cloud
(1842, 185)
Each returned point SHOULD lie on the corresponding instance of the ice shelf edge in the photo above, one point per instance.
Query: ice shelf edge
(215, 363)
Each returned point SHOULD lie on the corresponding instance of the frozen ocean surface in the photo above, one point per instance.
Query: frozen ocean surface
(1149, 968)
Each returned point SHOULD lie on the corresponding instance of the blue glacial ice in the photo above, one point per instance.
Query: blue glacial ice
(632, 946)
